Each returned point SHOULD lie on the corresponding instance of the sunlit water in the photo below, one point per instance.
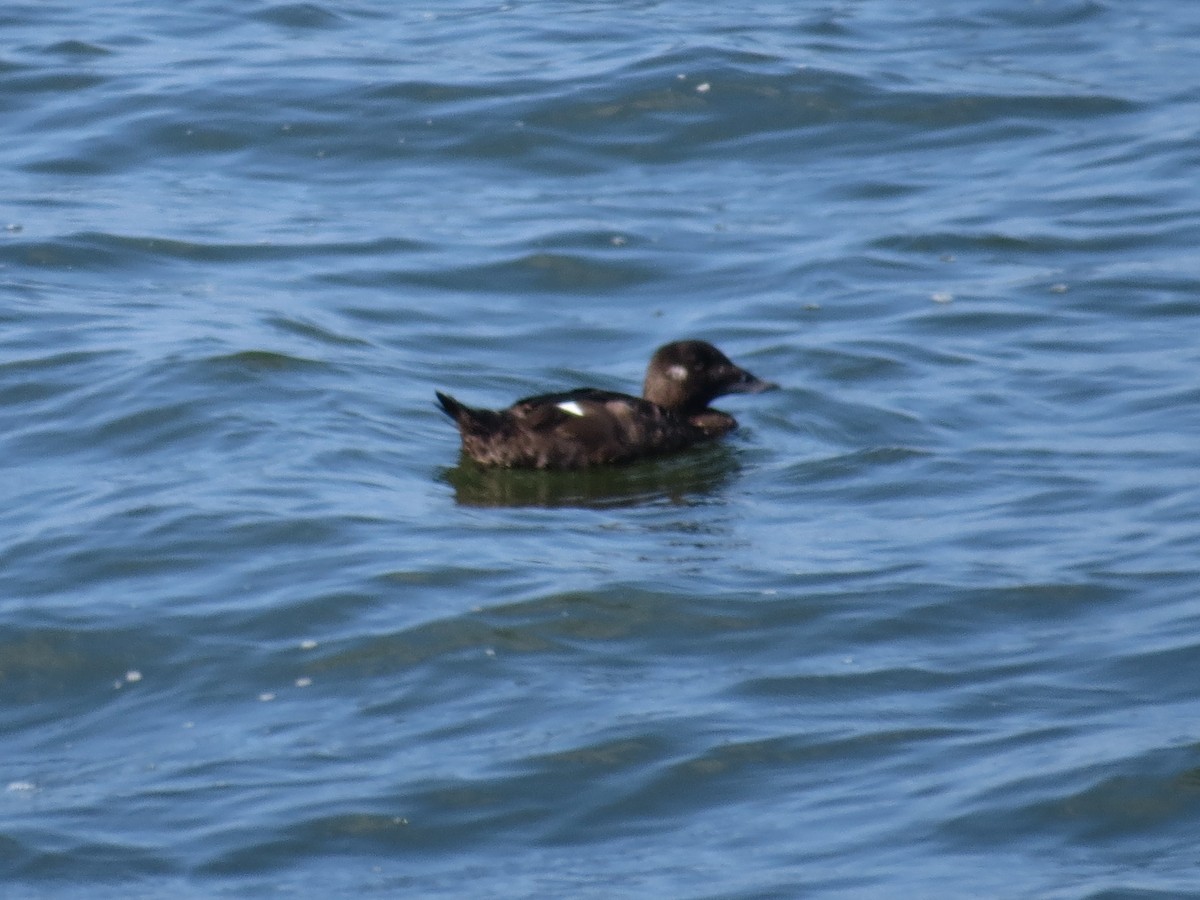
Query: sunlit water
(928, 625)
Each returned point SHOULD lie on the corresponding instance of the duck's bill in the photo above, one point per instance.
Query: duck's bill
(748, 384)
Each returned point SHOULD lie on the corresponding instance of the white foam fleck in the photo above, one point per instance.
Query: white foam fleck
(570, 406)
(303, 682)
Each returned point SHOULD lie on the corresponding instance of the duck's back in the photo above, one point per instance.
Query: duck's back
(575, 429)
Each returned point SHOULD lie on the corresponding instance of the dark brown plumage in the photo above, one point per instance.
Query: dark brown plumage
(591, 427)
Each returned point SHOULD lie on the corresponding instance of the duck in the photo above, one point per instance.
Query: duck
(589, 427)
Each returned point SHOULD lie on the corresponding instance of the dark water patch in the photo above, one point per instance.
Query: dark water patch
(39, 82)
(37, 666)
(69, 166)
(153, 426)
(587, 240)
(1147, 292)
(319, 334)
(91, 251)
(77, 48)
(36, 379)
(106, 405)
(67, 863)
(1158, 669)
(1061, 15)
(1020, 112)
(654, 115)
(620, 614)
(1001, 246)
(266, 251)
(1173, 886)
(1120, 804)
(854, 464)
(849, 364)
(137, 552)
(306, 641)
(1149, 402)
(835, 688)
(646, 112)
(304, 16)
(94, 561)
(600, 758)
(445, 643)
(876, 190)
(248, 365)
(729, 772)
(690, 62)
(340, 835)
(539, 272)
(889, 359)
(1148, 797)
(853, 425)
(214, 135)
(349, 833)
(1014, 616)
(440, 94)
(578, 634)
(978, 317)
(70, 677)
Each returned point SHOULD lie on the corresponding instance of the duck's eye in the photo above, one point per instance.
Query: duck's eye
(678, 372)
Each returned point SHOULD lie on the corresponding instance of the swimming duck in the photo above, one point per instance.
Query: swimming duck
(590, 427)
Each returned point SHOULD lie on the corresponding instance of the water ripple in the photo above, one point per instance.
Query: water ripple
(927, 620)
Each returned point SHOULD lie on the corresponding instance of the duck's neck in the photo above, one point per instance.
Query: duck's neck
(712, 422)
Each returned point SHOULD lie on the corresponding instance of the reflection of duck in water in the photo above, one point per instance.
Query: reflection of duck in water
(590, 427)
(678, 480)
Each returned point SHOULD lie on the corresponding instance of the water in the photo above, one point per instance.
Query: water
(926, 626)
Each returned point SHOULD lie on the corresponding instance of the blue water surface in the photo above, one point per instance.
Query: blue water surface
(927, 625)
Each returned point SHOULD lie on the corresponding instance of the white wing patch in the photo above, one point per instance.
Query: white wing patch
(570, 406)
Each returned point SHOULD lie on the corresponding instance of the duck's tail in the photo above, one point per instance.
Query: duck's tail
(452, 407)
(472, 421)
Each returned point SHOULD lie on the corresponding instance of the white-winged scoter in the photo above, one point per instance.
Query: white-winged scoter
(590, 427)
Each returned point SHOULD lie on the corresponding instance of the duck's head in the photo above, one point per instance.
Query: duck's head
(685, 376)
